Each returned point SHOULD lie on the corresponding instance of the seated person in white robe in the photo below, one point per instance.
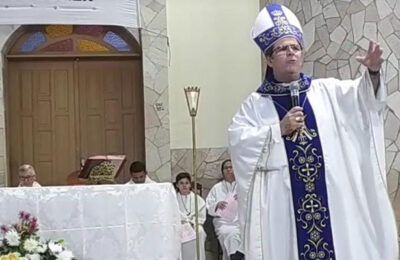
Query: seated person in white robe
(138, 173)
(309, 156)
(227, 229)
(27, 176)
(186, 200)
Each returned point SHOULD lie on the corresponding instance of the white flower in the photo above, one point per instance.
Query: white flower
(30, 245)
(12, 237)
(65, 255)
(55, 248)
(41, 248)
(33, 257)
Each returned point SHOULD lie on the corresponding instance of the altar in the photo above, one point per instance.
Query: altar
(133, 222)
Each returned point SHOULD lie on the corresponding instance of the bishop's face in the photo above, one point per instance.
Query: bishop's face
(286, 59)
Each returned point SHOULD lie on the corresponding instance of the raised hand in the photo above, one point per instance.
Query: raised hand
(373, 58)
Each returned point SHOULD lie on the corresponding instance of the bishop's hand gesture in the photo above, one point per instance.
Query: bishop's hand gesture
(373, 58)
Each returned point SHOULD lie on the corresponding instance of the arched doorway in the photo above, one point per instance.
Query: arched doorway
(73, 92)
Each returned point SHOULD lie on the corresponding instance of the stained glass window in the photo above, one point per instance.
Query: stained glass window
(89, 46)
(57, 31)
(34, 41)
(76, 39)
(64, 45)
(93, 30)
(116, 41)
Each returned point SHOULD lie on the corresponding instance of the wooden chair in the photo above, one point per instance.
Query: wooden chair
(199, 188)
(73, 179)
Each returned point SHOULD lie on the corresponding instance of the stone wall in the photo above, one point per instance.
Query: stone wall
(155, 73)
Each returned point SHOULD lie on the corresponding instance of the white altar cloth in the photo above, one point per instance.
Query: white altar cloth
(135, 222)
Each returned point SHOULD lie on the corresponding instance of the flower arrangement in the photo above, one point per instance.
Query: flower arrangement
(22, 242)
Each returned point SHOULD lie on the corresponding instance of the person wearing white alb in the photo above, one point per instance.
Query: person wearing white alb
(227, 229)
(139, 173)
(186, 201)
(310, 166)
(27, 176)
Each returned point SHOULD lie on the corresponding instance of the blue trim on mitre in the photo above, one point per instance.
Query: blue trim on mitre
(281, 29)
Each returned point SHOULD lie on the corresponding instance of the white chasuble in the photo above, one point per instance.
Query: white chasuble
(349, 123)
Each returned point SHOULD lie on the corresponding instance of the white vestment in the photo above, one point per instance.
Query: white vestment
(349, 119)
(227, 230)
(187, 208)
(147, 180)
(34, 184)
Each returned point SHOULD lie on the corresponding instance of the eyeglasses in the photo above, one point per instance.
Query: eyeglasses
(282, 50)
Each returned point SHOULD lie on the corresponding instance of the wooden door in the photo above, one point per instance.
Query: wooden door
(111, 110)
(60, 112)
(41, 119)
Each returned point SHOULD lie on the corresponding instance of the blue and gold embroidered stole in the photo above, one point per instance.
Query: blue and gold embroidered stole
(307, 177)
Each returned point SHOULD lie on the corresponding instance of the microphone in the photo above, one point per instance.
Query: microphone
(294, 93)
